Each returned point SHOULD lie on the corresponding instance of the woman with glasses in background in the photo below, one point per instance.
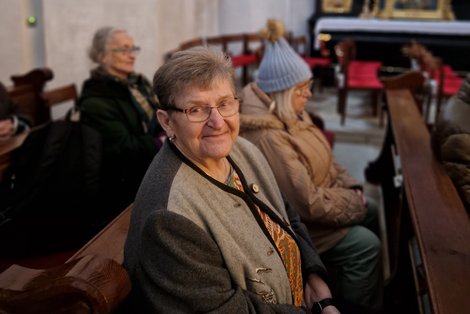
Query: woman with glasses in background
(209, 230)
(121, 106)
(328, 199)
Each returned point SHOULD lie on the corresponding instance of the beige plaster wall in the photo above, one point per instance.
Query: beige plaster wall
(66, 27)
(17, 53)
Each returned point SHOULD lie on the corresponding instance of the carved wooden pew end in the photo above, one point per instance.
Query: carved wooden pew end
(91, 281)
(91, 284)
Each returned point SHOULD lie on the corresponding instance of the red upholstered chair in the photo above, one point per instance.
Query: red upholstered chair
(352, 74)
(447, 81)
(237, 47)
(321, 64)
(245, 56)
(443, 82)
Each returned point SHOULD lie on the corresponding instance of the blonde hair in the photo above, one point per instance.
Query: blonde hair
(283, 104)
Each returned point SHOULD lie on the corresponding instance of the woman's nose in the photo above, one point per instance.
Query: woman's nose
(215, 118)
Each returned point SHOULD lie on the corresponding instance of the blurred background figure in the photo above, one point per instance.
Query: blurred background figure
(12, 120)
(328, 199)
(120, 105)
(451, 140)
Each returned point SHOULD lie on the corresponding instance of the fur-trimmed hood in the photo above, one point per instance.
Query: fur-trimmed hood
(251, 122)
(257, 115)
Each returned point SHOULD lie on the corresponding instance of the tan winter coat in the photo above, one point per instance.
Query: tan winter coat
(310, 178)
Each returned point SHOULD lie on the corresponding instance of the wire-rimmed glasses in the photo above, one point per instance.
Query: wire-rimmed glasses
(202, 113)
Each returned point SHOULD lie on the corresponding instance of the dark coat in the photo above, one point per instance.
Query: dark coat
(107, 105)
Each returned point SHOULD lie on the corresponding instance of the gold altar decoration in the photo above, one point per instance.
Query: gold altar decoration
(414, 9)
(336, 6)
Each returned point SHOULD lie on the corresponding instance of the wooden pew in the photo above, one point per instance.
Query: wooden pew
(427, 215)
(60, 95)
(35, 79)
(91, 281)
(412, 80)
(25, 95)
(243, 48)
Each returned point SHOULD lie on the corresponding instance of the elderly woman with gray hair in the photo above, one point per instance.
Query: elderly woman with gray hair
(120, 105)
(210, 232)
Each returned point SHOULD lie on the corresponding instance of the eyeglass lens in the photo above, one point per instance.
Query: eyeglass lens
(202, 113)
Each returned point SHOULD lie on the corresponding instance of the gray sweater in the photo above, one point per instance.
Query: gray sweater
(198, 246)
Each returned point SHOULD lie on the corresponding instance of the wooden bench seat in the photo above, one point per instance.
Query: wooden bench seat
(35, 79)
(424, 211)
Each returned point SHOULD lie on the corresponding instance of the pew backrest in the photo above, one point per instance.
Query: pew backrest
(440, 223)
(36, 79)
(60, 95)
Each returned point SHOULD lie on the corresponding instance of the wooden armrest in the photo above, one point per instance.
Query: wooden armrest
(91, 284)
(92, 281)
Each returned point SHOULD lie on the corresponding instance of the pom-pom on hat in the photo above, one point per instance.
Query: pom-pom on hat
(281, 67)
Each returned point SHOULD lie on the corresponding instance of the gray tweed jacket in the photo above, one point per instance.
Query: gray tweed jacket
(198, 246)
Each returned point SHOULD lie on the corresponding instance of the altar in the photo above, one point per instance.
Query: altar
(383, 39)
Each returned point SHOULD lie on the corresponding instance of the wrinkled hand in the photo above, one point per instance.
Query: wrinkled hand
(361, 195)
(6, 129)
(331, 309)
(316, 289)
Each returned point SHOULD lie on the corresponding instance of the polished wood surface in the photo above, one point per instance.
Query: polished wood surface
(92, 281)
(110, 241)
(37, 80)
(91, 284)
(60, 95)
(440, 222)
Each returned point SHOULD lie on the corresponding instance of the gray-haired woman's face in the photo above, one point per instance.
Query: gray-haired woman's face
(211, 139)
(119, 57)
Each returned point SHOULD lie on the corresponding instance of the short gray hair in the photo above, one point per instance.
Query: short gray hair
(100, 41)
(195, 67)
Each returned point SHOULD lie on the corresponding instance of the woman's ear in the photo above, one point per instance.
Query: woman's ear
(164, 119)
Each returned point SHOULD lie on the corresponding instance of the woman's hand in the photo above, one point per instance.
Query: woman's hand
(6, 129)
(315, 290)
(331, 309)
(361, 195)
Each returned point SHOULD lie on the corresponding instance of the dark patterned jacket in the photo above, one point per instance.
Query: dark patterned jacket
(451, 140)
(129, 144)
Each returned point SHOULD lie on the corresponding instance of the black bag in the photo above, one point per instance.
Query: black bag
(48, 198)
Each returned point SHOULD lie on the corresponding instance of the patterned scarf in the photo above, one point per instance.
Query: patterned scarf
(143, 98)
(285, 244)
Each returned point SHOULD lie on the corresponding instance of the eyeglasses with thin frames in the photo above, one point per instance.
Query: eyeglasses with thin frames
(300, 90)
(127, 50)
(202, 113)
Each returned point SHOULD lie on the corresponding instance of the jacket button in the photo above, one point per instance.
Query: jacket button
(270, 251)
(255, 188)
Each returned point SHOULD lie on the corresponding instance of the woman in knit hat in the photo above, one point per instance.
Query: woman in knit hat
(328, 199)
